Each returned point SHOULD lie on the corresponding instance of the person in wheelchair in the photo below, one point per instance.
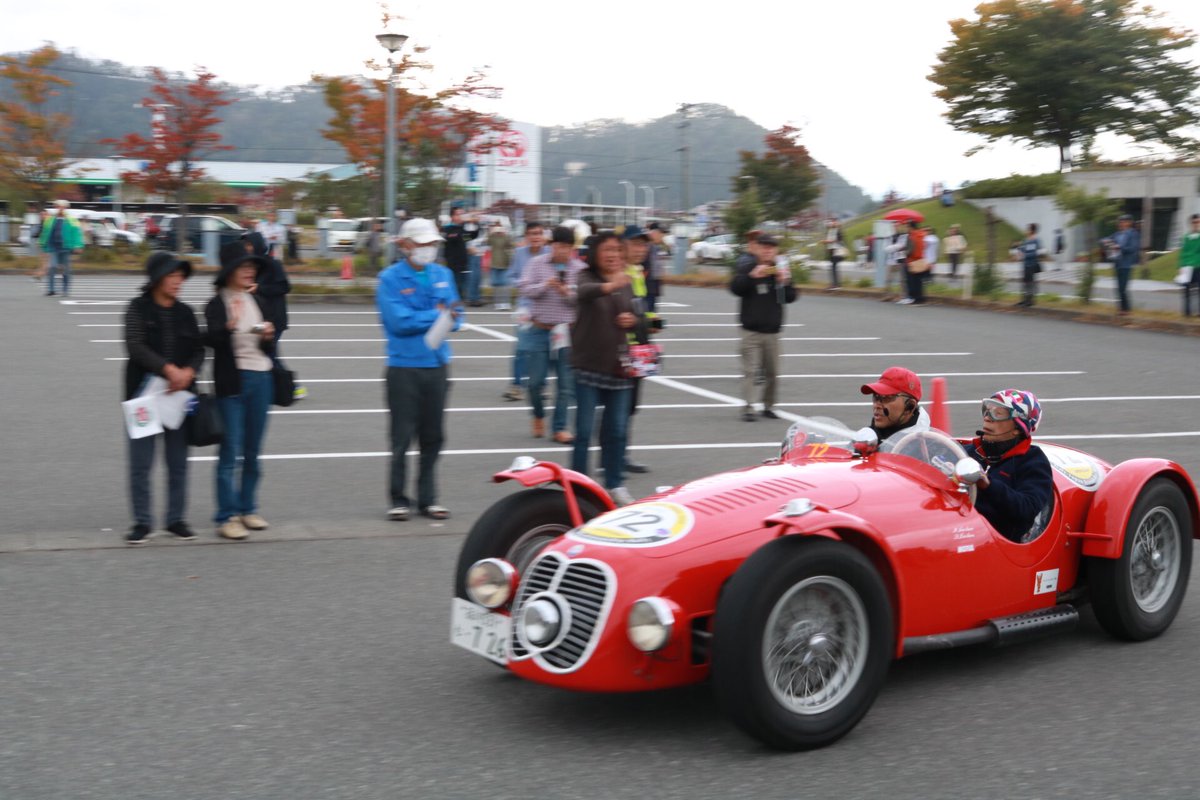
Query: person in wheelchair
(894, 403)
(1017, 483)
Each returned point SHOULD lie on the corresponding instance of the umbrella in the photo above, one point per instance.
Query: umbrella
(904, 215)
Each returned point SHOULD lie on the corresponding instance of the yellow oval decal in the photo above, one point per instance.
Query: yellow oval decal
(640, 525)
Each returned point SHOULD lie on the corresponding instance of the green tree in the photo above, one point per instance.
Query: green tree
(784, 178)
(1087, 210)
(1059, 72)
(32, 138)
(744, 213)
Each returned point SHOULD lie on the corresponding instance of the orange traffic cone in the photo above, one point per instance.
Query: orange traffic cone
(939, 410)
(347, 268)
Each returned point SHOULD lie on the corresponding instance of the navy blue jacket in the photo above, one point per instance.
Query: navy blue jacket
(1021, 485)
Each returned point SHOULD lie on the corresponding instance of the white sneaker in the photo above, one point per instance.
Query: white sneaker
(907, 301)
(621, 496)
(399, 513)
(503, 307)
(232, 529)
(254, 522)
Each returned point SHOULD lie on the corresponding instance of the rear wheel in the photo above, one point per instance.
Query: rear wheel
(517, 528)
(1137, 595)
(801, 643)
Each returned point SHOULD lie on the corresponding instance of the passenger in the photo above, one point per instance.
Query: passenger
(1018, 483)
(895, 399)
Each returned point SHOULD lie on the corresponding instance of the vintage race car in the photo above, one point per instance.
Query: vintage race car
(793, 584)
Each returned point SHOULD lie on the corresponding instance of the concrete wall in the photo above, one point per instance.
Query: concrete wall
(1020, 211)
(1137, 182)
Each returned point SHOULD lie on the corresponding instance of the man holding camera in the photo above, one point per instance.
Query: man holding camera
(548, 286)
(764, 289)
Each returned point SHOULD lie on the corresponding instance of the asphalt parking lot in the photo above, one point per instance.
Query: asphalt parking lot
(314, 661)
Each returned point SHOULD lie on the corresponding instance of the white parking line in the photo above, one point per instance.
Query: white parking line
(673, 356)
(559, 450)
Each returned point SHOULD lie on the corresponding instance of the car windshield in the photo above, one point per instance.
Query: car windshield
(929, 447)
(343, 224)
(816, 436)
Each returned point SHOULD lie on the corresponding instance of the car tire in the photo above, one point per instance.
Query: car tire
(763, 643)
(1136, 596)
(517, 528)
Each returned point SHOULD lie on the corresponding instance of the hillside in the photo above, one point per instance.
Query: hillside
(105, 97)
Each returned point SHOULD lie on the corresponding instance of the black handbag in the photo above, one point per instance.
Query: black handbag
(204, 425)
(284, 381)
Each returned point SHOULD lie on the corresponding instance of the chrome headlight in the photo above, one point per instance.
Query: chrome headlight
(541, 622)
(649, 624)
(490, 582)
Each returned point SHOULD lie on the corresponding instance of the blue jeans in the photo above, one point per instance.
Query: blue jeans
(245, 418)
(500, 291)
(59, 259)
(475, 281)
(614, 428)
(538, 355)
(1123, 275)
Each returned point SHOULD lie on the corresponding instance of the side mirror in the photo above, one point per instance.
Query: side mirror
(968, 471)
(865, 442)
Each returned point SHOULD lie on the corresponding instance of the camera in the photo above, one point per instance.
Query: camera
(259, 328)
(657, 323)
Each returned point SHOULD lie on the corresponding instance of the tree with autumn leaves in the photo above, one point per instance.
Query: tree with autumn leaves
(183, 132)
(435, 133)
(783, 179)
(33, 139)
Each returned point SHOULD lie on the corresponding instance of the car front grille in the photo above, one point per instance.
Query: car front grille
(587, 587)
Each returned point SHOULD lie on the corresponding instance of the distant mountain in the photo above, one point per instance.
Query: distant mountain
(105, 97)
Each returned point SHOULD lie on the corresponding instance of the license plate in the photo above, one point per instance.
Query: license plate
(479, 630)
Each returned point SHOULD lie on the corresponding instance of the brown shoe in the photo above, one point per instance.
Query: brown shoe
(539, 428)
(564, 437)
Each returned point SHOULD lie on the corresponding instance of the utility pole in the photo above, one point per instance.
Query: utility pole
(684, 166)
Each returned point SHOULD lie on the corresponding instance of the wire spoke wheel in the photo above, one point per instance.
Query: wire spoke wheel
(530, 543)
(1155, 559)
(815, 644)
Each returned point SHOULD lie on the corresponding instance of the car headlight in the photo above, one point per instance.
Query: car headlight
(649, 624)
(541, 622)
(490, 582)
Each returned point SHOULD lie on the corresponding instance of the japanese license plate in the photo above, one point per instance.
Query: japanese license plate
(479, 630)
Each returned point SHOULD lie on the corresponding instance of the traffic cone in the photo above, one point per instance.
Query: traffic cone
(347, 268)
(939, 410)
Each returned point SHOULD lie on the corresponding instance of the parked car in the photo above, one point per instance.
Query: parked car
(364, 231)
(196, 224)
(106, 233)
(714, 248)
(341, 234)
(793, 584)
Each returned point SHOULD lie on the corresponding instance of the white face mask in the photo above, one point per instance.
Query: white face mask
(425, 254)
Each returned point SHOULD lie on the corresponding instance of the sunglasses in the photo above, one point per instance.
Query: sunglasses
(996, 412)
(883, 398)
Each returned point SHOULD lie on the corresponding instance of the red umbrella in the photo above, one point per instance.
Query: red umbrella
(904, 215)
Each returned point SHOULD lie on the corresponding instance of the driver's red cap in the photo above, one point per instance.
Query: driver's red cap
(895, 380)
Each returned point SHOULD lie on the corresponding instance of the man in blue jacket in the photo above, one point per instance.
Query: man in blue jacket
(1127, 247)
(418, 304)
(1018, 487)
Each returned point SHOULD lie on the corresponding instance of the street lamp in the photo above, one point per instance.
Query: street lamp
(629, 201)
(649, 190)
(392, 42)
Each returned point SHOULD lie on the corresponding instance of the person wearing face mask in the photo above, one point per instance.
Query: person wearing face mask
(1018, 483)
(894, 403)
(412, 296)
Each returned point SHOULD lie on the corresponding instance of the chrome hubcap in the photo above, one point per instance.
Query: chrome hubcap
(815, 644)
(1154, 559)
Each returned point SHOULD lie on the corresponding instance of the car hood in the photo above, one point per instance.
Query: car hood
(718, 507)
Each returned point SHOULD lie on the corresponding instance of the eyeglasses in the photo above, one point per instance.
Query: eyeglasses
(883, 398)
(996, 412)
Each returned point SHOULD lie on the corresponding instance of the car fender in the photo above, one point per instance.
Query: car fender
(572, 482)
(856, 532)
(1104, 530)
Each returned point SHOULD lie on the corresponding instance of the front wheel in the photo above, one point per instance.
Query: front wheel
(1137, 595)
(802, 642)
(517, 528)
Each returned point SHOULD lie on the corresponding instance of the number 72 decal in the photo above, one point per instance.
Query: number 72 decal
(641, 525)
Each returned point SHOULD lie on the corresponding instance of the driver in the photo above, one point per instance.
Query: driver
(894, 403)
(1018, 482)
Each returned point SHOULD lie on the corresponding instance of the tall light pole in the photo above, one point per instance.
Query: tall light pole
(629, 200)
(391, 42)
(649, 190)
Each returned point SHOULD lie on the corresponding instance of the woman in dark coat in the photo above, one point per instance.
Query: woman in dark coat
(162, 339)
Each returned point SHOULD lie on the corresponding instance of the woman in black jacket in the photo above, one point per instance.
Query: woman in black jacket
(243, 341)
(163, 339)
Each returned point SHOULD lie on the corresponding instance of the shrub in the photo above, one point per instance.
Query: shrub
(1015, 186)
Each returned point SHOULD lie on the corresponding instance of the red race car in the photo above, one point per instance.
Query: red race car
(793, 584)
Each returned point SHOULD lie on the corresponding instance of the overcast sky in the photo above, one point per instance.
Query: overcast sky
(850, 74)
